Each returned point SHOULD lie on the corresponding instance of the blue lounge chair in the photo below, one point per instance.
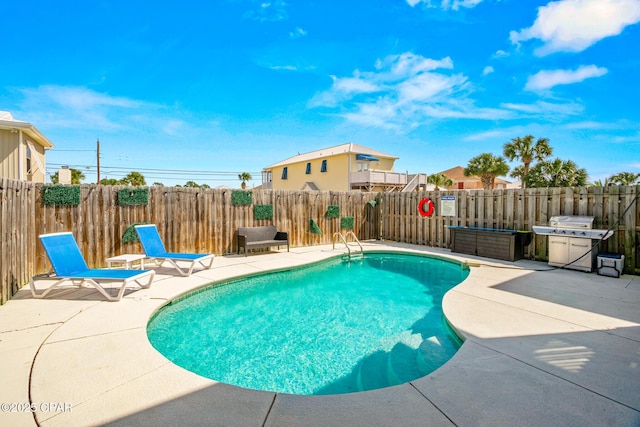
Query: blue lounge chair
(68, 264)
(154, 248)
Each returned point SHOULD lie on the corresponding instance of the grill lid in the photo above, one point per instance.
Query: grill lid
(572, 221)
(572, 226)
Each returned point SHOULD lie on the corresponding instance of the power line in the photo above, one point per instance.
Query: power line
(73, 151)
(165, 171)
(154, 174)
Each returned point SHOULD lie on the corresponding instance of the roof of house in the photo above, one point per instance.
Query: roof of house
(332, 151)
(456, 174)
(8, 122)
(310, 186)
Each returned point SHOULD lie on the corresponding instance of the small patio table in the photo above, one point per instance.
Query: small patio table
(127, 260)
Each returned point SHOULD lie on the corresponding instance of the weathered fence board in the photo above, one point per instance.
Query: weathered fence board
(205, 220)
(521, 209)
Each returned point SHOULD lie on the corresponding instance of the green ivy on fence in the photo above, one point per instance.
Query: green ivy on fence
(313, 227)
(130, 234)
(263, 211)
(333, 211)
(346, 222)
(241, 198)
(133, 196)
(61, 195)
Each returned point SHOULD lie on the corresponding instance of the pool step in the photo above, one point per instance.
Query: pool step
(372, 372)
(402, 366)
(434, 352)
(409, 358)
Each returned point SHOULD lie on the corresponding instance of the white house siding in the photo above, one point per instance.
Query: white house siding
(9, 156)
(13, 161)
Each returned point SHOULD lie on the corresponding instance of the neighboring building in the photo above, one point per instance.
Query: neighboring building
(22, 150)
(516, 184)
(341, 168)
(462, 182)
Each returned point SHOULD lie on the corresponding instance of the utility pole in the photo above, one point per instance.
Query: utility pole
(98, 158)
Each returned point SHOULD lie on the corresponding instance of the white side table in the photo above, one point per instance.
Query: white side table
(127, 260)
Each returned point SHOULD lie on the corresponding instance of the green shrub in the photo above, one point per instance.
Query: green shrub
(263, 211)
(333, 211)
(346, 222)
(62, 195)
(130, 234)
(241, 198)
(313, 227)
(133, 196)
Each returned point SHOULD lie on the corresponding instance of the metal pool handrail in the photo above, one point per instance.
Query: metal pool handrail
(344, 240)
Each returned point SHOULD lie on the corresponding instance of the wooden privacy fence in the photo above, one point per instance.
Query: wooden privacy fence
(188, 219)
(17, 234)
(612, 207)
(205, 220)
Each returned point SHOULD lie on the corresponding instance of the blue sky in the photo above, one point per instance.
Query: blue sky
(221, 87)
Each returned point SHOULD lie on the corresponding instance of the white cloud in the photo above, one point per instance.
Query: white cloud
(297, 33)
(80, 108)
(69, 106)
(79, 98)
(269, 11)
(354, 85)
(589, 125)
(284, 67)
(403, 92)
(446, 4)
(544, 109)
(408, 64)
(490, 135)
(574, 25)
(406, 91)
(428, 87)
(173, 127)
(456, 4)
(547, 79)
(500, 54)
(343, 89)
(488, 70)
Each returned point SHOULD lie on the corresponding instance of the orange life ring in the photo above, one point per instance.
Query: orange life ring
(430, 207)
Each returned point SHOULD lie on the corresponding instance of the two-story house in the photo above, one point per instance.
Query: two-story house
(344, 167)
(22, 150)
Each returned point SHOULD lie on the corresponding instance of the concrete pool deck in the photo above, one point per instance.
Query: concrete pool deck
(543, 348)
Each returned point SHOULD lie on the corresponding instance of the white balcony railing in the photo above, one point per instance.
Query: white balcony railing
(372, 177)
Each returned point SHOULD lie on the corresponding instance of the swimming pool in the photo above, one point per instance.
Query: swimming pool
(329, 328)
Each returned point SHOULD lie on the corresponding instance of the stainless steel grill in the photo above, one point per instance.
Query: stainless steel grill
(570, 241)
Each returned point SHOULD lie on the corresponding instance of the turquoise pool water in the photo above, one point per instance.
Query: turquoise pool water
(330, 328)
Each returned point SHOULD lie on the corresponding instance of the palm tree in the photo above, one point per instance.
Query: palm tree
(134, 179)
(109, 181)
(525, 150)
(439, 180)
(487, 167)
(244, 177)
(600, 183)
(518, 172)
(625, 178)
(193, 184)
(556, 173)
